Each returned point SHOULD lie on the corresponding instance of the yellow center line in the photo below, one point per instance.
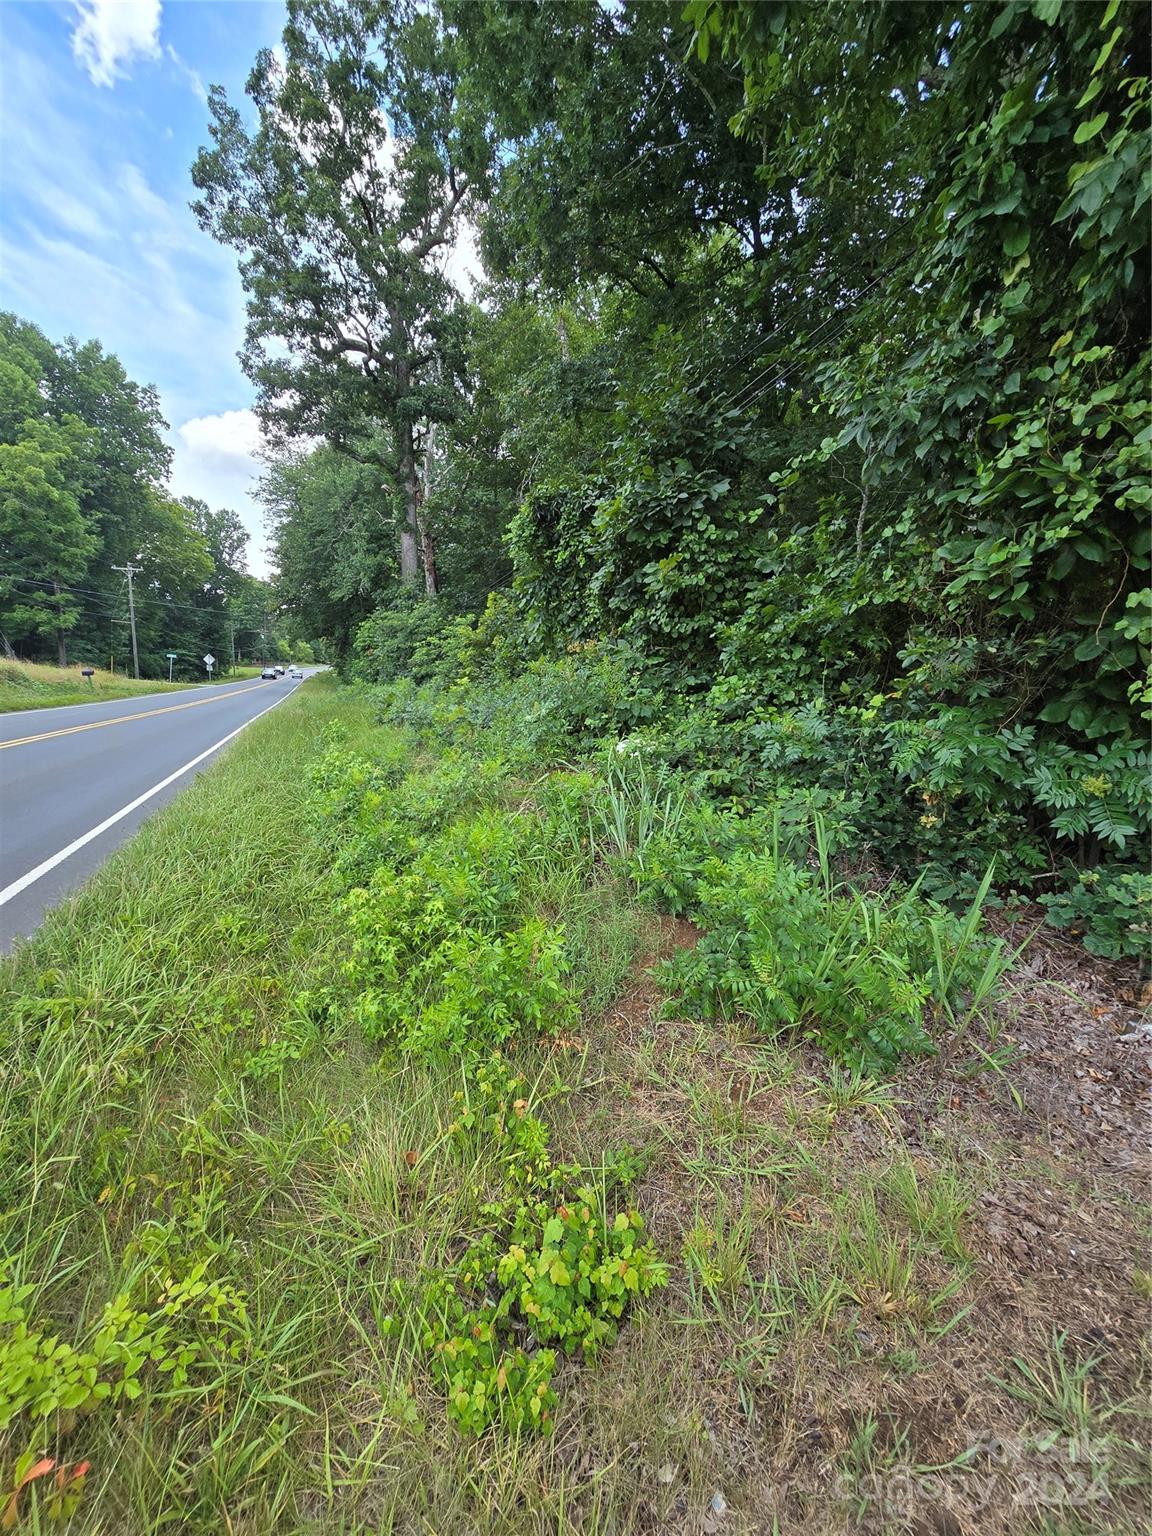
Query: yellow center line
(143, 714)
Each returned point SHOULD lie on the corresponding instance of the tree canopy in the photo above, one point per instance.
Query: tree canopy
(808, 371)
(84, 492)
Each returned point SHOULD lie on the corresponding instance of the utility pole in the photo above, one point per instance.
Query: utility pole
(130, 571)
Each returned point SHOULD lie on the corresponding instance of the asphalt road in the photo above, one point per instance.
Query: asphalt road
(66, 772)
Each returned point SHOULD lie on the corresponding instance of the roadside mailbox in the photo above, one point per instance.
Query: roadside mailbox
(87, 672)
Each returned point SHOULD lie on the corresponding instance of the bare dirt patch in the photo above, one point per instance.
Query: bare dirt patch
(917, 1306)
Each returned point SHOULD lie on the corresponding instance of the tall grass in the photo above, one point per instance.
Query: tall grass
(318, 1191)
(640, 801)
(326, 1188)
(34, 685)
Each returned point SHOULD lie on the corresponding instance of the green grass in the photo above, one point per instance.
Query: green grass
(183, 1084)
(32, 685)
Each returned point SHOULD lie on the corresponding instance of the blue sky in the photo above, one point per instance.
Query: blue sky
(102, 111)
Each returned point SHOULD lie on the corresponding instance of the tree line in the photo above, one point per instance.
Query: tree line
(807, 372)
(83, 499)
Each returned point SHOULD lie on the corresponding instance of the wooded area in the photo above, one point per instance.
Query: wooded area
(800, 418)
(597, 1060)
(83, 496)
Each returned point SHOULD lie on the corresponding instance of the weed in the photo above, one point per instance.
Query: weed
(191, 1099)
(790, 948)
(560, 1271)
(717, 1250)
(639, 802)
(1058, 1389)
(936, 1205)
(849, 1089)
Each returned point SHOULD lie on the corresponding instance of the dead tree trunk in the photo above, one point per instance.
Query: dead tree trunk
(410, 493)
(427, 541)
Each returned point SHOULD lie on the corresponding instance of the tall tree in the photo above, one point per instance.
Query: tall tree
(334, 538)
(343, 203)
(46, 540)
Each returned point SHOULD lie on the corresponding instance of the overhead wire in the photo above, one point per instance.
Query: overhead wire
(141, 596)
(740, 398)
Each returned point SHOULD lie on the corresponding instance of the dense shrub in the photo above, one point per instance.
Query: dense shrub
(789, 949)
(932, 789)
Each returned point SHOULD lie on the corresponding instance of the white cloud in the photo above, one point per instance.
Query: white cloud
(97, 240)
(72, 213)
(110, 34)
(230, 435)
(199, 90)
(217, 459)
(163, 225)
(90, 246)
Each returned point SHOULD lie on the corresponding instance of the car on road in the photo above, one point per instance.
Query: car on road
(270, 673)
(295, 672)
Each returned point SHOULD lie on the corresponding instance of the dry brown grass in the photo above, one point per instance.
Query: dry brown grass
(871, 1281)
(36, 685)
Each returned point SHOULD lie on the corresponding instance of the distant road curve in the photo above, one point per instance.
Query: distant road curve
(76, 781)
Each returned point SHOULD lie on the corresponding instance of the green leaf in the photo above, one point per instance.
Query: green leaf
(1090, 94)
(1103, 56)
(1089, 129)
(1090, 550)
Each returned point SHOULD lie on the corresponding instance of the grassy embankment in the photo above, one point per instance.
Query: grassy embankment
(232, 1171)
(32, 685)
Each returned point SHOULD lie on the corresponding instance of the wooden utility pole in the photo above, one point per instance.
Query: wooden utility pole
(130, 571)
(61, 637)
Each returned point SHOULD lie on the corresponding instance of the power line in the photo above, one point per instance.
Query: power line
(144, 597)
(735, 398)
(865, 262)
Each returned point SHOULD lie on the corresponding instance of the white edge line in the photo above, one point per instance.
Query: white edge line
(49, 864)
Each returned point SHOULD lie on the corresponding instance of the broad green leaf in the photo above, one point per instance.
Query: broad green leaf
(1090, 94)
(1089, 129)
(1105, 52)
